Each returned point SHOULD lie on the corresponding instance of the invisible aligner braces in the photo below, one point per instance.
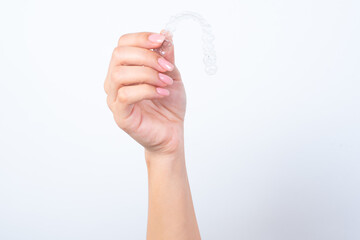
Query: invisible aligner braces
(209, 58)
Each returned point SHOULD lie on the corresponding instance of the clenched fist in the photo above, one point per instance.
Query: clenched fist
(146, 94)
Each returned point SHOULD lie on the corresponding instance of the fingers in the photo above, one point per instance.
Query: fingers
(147, 40)
(133, 50)
(132, 56)
(132, 75)
(137, 73)
(128, 95)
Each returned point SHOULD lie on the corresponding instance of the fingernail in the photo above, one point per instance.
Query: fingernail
(156, 38)
(165, 64)
(166, 79)
(163, 91)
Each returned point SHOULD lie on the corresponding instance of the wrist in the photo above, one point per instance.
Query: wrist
(169, 151)
(169, 156)
(166, 165)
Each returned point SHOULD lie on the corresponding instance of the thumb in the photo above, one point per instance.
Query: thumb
(167, 48)
(167, 51)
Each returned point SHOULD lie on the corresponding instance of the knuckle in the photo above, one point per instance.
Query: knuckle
(109, 103)
(122, 95)
(117, 52)
(117, 77)
(121, 38)
(114, 75)
(114, 52)
(106, 87)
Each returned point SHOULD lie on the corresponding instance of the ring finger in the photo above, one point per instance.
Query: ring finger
(133, 75)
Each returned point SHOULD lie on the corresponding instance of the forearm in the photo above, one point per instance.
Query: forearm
(147, 97)
(171, 213)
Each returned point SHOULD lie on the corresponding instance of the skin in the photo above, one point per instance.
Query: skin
(156, 122)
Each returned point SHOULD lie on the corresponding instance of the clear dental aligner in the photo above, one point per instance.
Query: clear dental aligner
(207, 38)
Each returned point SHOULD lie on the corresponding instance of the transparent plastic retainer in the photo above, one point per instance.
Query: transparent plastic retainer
(209, 58)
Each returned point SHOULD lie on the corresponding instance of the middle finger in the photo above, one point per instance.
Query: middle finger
(132, 56)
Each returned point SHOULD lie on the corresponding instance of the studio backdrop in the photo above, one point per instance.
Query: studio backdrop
(272, 140)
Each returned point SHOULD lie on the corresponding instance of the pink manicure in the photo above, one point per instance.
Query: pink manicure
(163, 91)
(166, 79)
(156, 38)
(165, 64)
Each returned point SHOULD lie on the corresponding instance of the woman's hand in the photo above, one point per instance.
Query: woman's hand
(147, 98)
(146, 94)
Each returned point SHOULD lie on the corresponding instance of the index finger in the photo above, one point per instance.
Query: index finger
(147, 40)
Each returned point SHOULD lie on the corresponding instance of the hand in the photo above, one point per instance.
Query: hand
(150, 110)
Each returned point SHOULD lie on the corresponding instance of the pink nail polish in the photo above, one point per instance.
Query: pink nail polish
(163, 91)
(166, 79)
(165, 64)
(156, 38)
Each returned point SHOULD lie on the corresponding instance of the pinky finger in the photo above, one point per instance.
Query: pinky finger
(135, 93)
(128, 95)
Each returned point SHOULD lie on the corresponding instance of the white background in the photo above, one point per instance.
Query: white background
(272, 140)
